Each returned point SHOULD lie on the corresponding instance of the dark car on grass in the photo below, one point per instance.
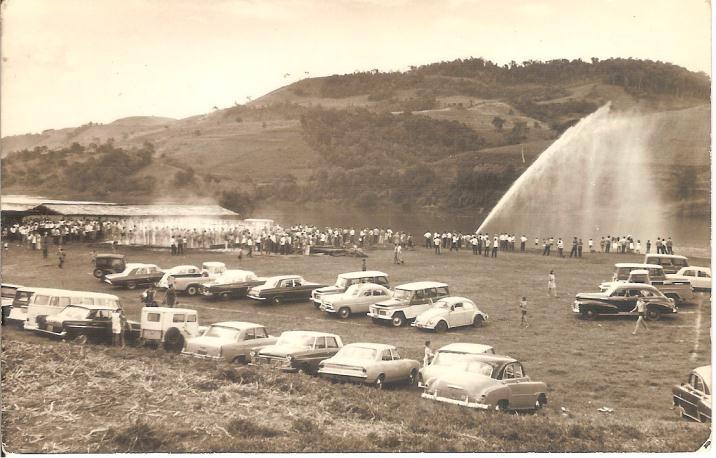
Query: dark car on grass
(134, 275)
(621, 298)
(108, 263)
(284, 288)
(92, 321)
(693, 398)
(298, 351)
(232, 284)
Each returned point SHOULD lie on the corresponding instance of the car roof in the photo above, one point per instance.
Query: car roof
(454, 299)
(639, 272)
(167, 309)
(132, 265)
(705, 269)
(67, 292)
(310, 333)
(361, 274)
(238, 324)
(488, 357)
(636, 264)
(183, 267)
(672, 256)
(635, 285)
(375, 346)
(92, 306)
(281, 277)
(213, 264)
(705, 373)
(365, 286)
(229, 272)
(420, 285)
(11, 285)
(460, 347)
(109, 255)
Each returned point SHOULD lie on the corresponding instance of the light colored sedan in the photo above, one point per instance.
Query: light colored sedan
(450, 312)
(369, 363)
(229, 340)
(450, 355)
(700, 277)
(356, 299)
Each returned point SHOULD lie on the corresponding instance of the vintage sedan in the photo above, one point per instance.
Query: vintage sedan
(487, 382)
(451, 355)
(357, 299)
(678, 289)
(369, 363)
(171, 274)
(230, 341)
(283, 288)
(450, 312)
(92, 321)
(135, 274)
(345, 280)
(298, 351)
(232, 284)
(693, 398)
(620, 299)
(699, 277)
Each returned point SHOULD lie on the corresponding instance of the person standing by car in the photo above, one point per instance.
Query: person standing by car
(523, 313)
(60, 257)
(552, 284)
(117, 328)
(640, 307)
(428, 354)
(170, 298)
(148, 297)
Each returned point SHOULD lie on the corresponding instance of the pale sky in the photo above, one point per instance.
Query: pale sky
(68, 62)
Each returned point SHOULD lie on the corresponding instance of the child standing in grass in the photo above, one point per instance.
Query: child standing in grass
(523, 312)
(552, 284)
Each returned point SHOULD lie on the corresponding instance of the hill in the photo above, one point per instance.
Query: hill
(449, 133)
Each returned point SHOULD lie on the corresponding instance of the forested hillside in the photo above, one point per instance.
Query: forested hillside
(452, 133)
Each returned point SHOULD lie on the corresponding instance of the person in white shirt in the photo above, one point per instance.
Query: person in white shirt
(428, 354)
(552, 284)
(523, 243)
(117, 339)
(428, 239)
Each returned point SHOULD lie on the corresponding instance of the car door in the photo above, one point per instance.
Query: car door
(620, 301)
(101, 323)
(459, 315)
(703, 281)
(384, 363)
(521, 392)
(690, 395)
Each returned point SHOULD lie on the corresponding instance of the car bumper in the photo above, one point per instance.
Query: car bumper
(380, 317)
(200, 355)
(52, 333)
(343, 377)
(422, 325)
(108, 281)
(472, 405)
(256, 298)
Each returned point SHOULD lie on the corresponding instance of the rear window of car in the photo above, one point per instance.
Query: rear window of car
(154, 317)
(331, 342)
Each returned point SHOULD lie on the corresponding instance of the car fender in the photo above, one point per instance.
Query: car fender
(495, 394)
(600, 307)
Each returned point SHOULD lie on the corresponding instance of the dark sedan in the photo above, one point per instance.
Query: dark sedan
(134, 275)
(298, 351)
(232, 284)
(283, 288)
(92, 321)
(620, 299)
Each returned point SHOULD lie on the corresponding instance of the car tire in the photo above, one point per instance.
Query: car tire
(541, 401)
(589, 314)
(502, 405)
(131, 285)
(239, 360)
(344, 313)
(173, 341)
(441, 327)
(192, 290)
(652, 315)
(380, 382)
(398, 320)
(276, 300)
(98, 273)
(225, 296)
(413, 377)
(477, 321)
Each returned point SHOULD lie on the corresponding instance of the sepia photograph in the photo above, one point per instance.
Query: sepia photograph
(355, 226)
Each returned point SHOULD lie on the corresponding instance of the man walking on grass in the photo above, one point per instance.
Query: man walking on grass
(523, 313)
(640, 307)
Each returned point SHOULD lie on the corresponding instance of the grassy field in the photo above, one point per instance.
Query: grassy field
(58, 397)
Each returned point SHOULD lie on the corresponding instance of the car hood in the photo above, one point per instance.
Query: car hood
(391, 303)
(115, 276)
(596, 296)
(329, 290)
(282, 350)
(430, 314)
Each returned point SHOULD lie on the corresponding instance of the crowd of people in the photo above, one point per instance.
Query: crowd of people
(489, 245)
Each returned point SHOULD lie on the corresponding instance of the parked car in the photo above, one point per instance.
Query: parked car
(369, 363)
(49, 301)
(283, 288)
(230, 341)
(192, 284)
(408, 301)
(671, 263)
(693, 398)
(620, 299)
(18, 310)
(108, 263)
(8, 292)
(135, 274)
(93, 321)
(176, 272)
(700, 277)
(356, 299)
(298, 351)
(344, 281)
(451, 355)
(487, 382)
(450, 312)
(651, 274)
(169, 326)
(232, 283)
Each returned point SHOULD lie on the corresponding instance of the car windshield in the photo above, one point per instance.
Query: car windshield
(359, 353)
(449, 358)
(272, 282)
(401, 294)
(295, 340)
(342, 282)
(74, 313)
(224, 332)
(479, 367)
(612, 289)
(442, 305)
(354, 291)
